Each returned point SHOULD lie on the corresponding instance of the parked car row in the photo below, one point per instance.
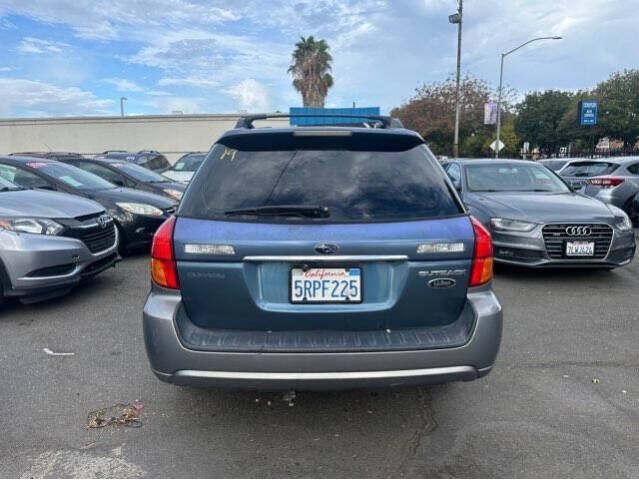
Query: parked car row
(65, 217)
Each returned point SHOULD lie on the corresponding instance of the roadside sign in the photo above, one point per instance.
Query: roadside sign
(490, 113)
(501, 145)
(588, 112)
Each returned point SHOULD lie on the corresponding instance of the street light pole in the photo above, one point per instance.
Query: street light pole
(501, 77)
(457, 18)
(122, 99)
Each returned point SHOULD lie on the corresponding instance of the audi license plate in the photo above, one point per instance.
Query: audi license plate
(326, 285)
(580, 249)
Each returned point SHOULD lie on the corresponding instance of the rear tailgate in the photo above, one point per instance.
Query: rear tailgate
(251, 289)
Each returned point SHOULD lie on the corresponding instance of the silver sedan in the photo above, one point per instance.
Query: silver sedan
(536, 220)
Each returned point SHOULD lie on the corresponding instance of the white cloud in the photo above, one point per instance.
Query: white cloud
(250, 95)
(157, 93)
(382, 49)
(189, 81)
(123, 85)
(39, 46)
(21, 97)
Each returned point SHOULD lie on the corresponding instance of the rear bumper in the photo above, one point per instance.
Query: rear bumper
(172, 362)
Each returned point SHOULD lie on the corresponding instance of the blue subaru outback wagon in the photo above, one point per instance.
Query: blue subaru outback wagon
(321, 258)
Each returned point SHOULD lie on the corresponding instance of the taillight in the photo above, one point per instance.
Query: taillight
(605, 182)
(482, 269)
(163, 269)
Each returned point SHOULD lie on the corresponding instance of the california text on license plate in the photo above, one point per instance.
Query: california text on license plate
(326, 285)
(580, 249)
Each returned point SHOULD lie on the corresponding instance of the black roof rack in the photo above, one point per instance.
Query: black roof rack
(114, 151)
(246, 121)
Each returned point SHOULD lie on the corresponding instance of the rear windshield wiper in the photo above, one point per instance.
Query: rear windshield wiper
(310, 211)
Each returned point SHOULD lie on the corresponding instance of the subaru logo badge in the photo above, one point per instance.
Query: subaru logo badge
(103, 220)
(326, 248)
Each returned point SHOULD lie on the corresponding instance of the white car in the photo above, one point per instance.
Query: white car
(185, 167)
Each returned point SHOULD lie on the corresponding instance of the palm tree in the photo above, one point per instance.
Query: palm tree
(310, 65)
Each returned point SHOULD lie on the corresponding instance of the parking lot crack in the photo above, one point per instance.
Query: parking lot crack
(426, 425)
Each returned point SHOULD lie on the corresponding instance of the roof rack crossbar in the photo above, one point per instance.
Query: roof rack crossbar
(246, 121)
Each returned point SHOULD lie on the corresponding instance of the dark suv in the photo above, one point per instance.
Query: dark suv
(149, 159)
(321, 258)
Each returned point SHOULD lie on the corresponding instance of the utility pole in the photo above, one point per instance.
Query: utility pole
(457, 18)
(122, 99)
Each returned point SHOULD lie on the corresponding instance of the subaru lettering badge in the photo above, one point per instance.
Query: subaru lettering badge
(103, 220)
(326, 248)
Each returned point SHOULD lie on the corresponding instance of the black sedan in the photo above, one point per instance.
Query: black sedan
(536, 220)
(137, 214)
(126, 174)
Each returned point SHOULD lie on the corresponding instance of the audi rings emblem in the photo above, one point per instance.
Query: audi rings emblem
(578, 231)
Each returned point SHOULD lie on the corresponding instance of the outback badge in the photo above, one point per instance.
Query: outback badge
(442, 283)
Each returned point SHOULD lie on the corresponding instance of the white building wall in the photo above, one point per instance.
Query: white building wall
(172, 135)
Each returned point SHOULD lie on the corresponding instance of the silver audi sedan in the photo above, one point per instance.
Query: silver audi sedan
(50, 242)
(536, 220)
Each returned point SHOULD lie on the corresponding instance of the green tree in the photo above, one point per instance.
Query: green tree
(618, 115)
(310, 66)
(539, 117)
(431, 112)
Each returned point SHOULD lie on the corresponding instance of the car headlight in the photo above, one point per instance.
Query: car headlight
(38, 226)
(140, 209)
(507, 225)
(622, 221)
(173, 193)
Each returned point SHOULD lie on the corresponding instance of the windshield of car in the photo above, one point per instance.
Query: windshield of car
(6, 185)
(140, 174)
(72, 176)
(512, 178)
(319, 186)
(589, 169)
(189, 163)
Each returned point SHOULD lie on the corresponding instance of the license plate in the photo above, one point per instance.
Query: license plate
(580, 249)
(326, 285)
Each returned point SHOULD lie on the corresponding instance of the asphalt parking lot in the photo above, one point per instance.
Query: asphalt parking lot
(563, 399)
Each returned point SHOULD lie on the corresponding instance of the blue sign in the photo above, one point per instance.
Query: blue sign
(324, 115)
(588, 112)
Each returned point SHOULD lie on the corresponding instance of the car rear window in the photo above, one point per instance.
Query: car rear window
(355, 185)
(589, 169)
(554, 164)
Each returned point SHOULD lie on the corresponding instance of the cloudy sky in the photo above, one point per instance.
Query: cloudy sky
(77, 57)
